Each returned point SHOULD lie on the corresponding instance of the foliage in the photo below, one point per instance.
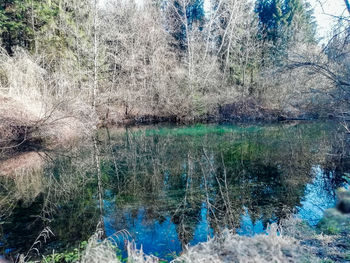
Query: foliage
(66, 257)
(285, 23)
(196, 60)
(185, 14)
(21, 19)
(334, 222)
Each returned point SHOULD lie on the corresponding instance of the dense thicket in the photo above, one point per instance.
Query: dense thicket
(187, 59)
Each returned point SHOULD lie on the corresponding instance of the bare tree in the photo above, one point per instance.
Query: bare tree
(95, 52)
(347, 3)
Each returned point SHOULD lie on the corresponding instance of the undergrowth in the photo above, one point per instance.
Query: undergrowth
(290, 241)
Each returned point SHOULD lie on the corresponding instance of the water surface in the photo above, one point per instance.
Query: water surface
(170, 186)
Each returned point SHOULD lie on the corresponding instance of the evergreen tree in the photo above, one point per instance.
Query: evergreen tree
(14, 28)
(182, 15)
(271, 18)
(300, 21)
(284, 23)
(21, 19)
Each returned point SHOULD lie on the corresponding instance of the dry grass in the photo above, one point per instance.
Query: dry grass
(21, 162)
(105, 251)
(229, 247)
(22, 79)
(59, 125)
(12, 109)
(31, 109)
(96, 251)
(16, 120)
(290, 241)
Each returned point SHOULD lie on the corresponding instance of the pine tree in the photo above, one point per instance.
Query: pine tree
(21, 19)
(284, 23)
(183, 16)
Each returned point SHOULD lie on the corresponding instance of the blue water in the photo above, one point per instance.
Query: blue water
(318, 197)
(157, 183)
(161, 238)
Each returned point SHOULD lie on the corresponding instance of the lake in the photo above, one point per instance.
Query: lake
(169, 186)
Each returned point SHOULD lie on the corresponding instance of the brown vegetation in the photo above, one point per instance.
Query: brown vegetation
(21, 162)
(20, 127)
(17, 123)
(184, 70)
(291, 241)
(271, 247)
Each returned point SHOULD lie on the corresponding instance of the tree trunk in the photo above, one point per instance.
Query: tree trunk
(95, 84)
(347, 3)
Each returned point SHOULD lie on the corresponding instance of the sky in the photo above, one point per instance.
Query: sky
(323, 15)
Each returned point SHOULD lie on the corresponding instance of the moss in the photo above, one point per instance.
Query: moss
(334, 223)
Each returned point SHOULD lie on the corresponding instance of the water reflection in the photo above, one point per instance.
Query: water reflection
(174, 186)
(318, 197)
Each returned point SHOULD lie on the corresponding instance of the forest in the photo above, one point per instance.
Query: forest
(173, 60)
(174, 131)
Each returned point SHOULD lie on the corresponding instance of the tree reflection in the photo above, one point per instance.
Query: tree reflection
(176, 176)
(263, 172)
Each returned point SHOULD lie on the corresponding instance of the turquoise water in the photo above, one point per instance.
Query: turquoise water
(172, 186)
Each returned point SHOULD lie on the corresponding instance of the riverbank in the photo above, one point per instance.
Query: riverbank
(27, 126)
(290, 241)
(17, 123)
(238, 111)
(23, 129)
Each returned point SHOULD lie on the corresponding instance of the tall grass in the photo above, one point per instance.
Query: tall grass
(34, 97)
(22, 78)
(272, 246)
